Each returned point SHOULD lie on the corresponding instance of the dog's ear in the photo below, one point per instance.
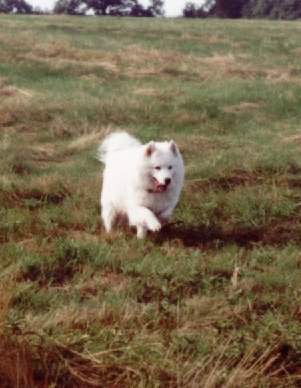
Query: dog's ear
(150, 148)
(173, 148)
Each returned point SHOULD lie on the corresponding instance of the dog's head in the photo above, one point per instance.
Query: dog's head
(165, 163)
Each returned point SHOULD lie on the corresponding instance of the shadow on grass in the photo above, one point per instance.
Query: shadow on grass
(205, 237)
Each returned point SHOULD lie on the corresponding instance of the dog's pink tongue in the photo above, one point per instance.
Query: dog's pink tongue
(157, 185)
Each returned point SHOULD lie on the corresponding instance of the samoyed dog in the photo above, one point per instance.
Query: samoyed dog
(141, 183)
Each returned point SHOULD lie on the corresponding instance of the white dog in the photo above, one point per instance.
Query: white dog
(141, 183)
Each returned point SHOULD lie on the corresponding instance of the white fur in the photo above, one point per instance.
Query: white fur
(128, 192)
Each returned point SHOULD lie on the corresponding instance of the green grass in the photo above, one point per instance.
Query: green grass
(214, 298)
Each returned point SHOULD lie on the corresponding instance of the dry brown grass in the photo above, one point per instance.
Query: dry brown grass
(147, 91)
(206, 38)
(4, 302)
(166, 93)
(39, 152)
(12, 91)
(14, 104)
(293, 138)
(276, 75)
(242, 107)
(75, 59)
(14, 369)
(202, 311)
(252, 370)
(92, 78)
(80, 235)
(135, 61)
(58, 54)
(143, 62)
(11, 39)
(219, 60)
(86, 141)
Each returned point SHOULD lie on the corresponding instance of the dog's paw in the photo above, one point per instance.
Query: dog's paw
(154, 225)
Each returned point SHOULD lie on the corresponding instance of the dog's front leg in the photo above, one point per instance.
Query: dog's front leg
(141, 231)
(144, 219)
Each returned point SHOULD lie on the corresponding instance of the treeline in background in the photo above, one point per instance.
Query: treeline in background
(248, 9)
(233, 9)
(88, 7)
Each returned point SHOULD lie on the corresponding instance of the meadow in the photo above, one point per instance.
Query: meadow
(213, 300)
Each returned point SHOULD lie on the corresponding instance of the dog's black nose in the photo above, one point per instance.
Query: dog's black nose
(167, 181)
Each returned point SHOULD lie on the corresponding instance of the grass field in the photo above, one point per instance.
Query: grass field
(214, 299)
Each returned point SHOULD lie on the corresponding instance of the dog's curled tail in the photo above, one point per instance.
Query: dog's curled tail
(115, 142)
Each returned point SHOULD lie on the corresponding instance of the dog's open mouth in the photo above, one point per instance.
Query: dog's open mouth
(158, 187)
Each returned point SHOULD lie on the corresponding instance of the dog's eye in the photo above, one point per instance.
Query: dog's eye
(157, 168)
(169, 167)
